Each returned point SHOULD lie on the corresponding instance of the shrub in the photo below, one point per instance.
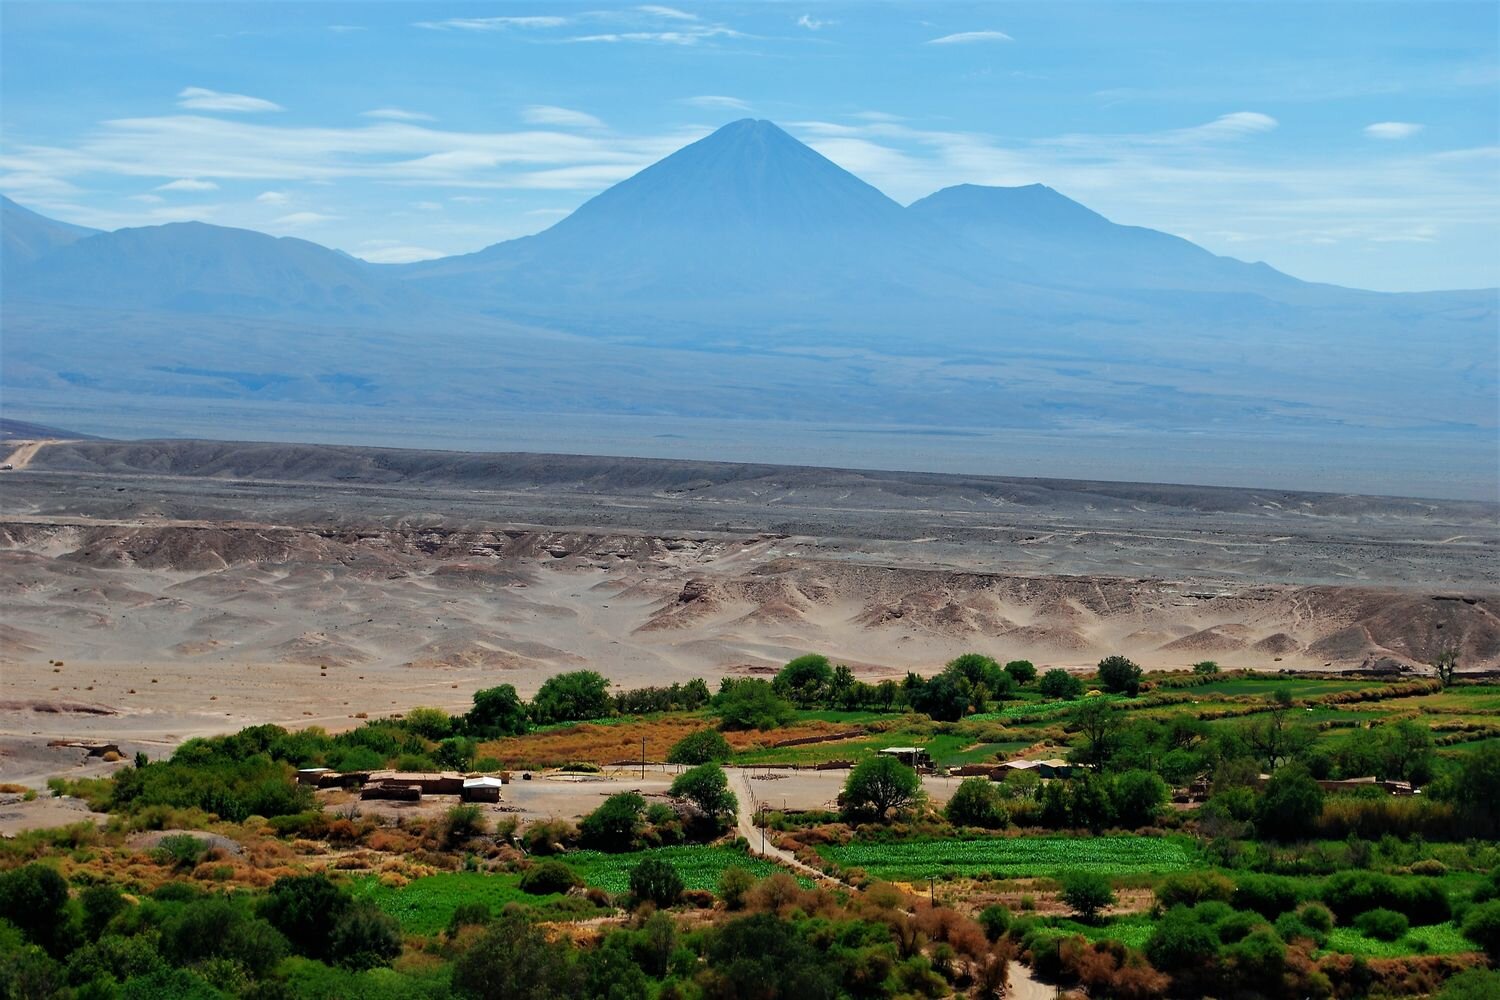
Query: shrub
(734, 883)
(548, 877)
(181, 850)
(995, 919)
(1205, 667)
(1482, 926)
(615, 825)
(1268, 895)
(461, 823)
(976, 802)
(1350, 893)
(1181, 940)
(702, 747)
(1119, 675)
(1383, 925)
(1473, 984)
(1087, 893)
(1317, 916)
(365, 937)
(1192, 888)
(1058, 683)
(514, 959)
(655, 881)
(217, 928)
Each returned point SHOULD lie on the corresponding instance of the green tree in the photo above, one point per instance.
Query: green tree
(35, 899)
(1472, 789)
(1138, 798)
(944, 697)
(878, 786)
(305, 909)
(1290, 807)
(365, 937)
(497, 711)
(765, 958)
(429, 723)
(574, 696)
(655, 881)
(217, 928)
(1087, 893)
(700, 748)
(1058, 683)
(1099, 724)
(615, 825)
(456, 752)
(1205, 667)
(1021, 671)
(516, 961)
(976, 802)
(610, 972)
(1119, 675)
(706, 787)
(805, 680)
(751, 703)
(1445, 663)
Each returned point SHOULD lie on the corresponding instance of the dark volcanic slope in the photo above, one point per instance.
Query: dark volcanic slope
(986, 524)
(801, 485)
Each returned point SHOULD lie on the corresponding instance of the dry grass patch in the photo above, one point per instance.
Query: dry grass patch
(602, 744)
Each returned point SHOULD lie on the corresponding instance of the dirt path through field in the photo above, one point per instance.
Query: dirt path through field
(753, 835)
(26, 451)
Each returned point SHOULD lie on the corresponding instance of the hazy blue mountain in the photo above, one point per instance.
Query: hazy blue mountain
(748, 278)
(26, 236)
(198, 268)
(746, 218)
(1049, 238)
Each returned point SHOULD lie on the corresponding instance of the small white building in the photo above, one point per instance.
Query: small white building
(485, 788)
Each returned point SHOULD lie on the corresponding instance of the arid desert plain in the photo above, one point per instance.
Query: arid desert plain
(157, 590)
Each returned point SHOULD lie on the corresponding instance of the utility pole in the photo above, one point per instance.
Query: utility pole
(932, 890)
(643, 758)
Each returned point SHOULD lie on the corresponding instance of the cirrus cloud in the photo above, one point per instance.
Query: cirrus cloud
(970, 37)
(203, 99)
(1392, 130)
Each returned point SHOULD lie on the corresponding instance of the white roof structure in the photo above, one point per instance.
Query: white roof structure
(900, 750)
(485, 781)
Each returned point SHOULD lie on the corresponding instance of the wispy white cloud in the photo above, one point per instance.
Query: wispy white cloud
(297, 220)
(1392, 130)
(203, 99)
(396, 115)
(686, 36)
(812, 23)
(971, 37)
(670, 13)
(188, 184)
(717, 102)
(394, 252)
(547, 114)
(272, 198)
(492, 23)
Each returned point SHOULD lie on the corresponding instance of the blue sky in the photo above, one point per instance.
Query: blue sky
(1357, 144)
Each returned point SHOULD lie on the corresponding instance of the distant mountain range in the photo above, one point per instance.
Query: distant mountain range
(975, 306)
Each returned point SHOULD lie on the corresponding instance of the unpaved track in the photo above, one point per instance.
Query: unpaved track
(27, 450)
(759, 844)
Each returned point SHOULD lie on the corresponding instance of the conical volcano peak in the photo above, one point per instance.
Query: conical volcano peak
(747, 175)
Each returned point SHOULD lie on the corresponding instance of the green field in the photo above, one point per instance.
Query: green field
(425, 905)
(699, 867)
(1014, 857)
(1437, 939)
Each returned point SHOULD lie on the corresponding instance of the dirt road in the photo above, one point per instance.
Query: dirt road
(739, 779)
(26, 451)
